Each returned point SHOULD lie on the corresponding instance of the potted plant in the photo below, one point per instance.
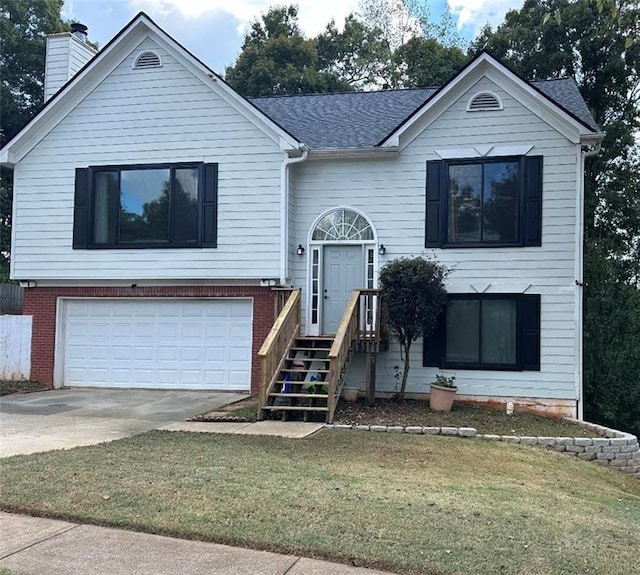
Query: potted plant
(442, 393)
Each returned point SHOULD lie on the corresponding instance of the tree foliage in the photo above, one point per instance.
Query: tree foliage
(24, 25)
(424, 62)
(276, 59)
(357, 55)
(391, 43)
(596, 42)
(413, 295)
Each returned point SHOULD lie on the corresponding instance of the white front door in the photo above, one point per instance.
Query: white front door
(343, 271)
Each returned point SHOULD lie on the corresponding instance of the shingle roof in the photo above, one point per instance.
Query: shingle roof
(362, 119)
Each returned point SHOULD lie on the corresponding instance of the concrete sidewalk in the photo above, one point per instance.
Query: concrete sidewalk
(33, 546)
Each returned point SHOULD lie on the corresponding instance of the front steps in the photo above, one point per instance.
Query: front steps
(301, 390)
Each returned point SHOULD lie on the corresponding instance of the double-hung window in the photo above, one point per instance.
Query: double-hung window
(487, 331)
(486, 202)
(144, 206)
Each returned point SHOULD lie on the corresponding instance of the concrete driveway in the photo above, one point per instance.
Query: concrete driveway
(64, 418)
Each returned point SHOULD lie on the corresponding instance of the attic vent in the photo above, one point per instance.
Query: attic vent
(484, 101)
(147, 59)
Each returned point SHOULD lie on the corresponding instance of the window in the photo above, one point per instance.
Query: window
(489, 331)
(492, 202)
(342, 224)
(146, 206)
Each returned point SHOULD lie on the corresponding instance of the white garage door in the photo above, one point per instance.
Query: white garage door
(186, 344)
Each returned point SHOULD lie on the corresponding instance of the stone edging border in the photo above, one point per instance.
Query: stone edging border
(609, 447)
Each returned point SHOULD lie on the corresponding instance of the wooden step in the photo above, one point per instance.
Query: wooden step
(314, 349)
(294, 408)
(300, 395)
(307, 358)
(305, 371)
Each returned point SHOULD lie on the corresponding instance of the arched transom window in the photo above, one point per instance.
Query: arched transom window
(342, 224)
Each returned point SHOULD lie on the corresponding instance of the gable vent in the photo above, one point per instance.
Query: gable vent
(484, 101)
(147, 59)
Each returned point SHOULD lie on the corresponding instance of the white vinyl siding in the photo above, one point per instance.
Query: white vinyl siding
(391, 192)
(157, 115)
(65, 56)
(161, 343)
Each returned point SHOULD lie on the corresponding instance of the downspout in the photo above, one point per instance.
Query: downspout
(579, 273)
(284, 212)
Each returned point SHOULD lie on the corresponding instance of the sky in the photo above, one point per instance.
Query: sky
(214, 29)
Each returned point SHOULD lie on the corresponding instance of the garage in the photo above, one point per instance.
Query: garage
(156, 343)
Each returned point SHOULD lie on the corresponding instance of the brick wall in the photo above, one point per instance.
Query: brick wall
(40, 302)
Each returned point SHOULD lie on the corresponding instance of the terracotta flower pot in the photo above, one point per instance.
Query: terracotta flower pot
(350, 394)
(441, 398)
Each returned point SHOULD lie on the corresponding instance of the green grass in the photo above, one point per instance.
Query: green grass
(248, 412)
(410, 504)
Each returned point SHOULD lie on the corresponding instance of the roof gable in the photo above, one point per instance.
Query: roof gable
(536, 100)
(99, 67)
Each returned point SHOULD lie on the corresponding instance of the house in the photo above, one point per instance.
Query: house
(159, 218)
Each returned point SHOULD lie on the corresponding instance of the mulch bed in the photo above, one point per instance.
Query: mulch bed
(485, 419)
(8, 387)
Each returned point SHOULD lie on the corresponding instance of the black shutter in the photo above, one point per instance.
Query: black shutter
(532, 201)
(530, 310)
(80, 209)
(433, 218)
(433, 345)
(210, 206)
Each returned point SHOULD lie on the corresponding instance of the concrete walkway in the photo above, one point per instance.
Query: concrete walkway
(290, 429)
(32, 546)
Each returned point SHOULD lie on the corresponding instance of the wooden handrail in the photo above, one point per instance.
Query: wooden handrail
(341, 350)
(276, 346)
(358, 329)
(370, 328)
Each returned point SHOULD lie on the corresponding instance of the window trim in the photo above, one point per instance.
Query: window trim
(445, 243)
(530, 200)
(528, 332)
(517, 366)
(90, 226)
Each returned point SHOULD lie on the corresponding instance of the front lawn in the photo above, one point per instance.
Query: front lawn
(411, 504)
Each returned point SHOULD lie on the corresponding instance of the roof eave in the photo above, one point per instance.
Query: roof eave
(592, 138)
(351, 153)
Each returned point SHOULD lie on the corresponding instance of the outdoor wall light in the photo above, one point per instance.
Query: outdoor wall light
(300, 250)
(382, 250)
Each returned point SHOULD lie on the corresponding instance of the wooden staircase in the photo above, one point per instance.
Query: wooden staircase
(302, 377)
(302, 388)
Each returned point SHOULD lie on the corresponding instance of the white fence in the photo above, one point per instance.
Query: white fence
(15, 347)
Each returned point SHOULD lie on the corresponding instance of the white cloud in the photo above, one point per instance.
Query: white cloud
(476, 13)
(313, 14)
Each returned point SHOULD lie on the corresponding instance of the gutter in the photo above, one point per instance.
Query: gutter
(284, 211)
(579, 265)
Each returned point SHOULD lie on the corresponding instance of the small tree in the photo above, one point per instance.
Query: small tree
(413, 295)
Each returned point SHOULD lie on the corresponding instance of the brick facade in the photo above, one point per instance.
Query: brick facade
(40, 302)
